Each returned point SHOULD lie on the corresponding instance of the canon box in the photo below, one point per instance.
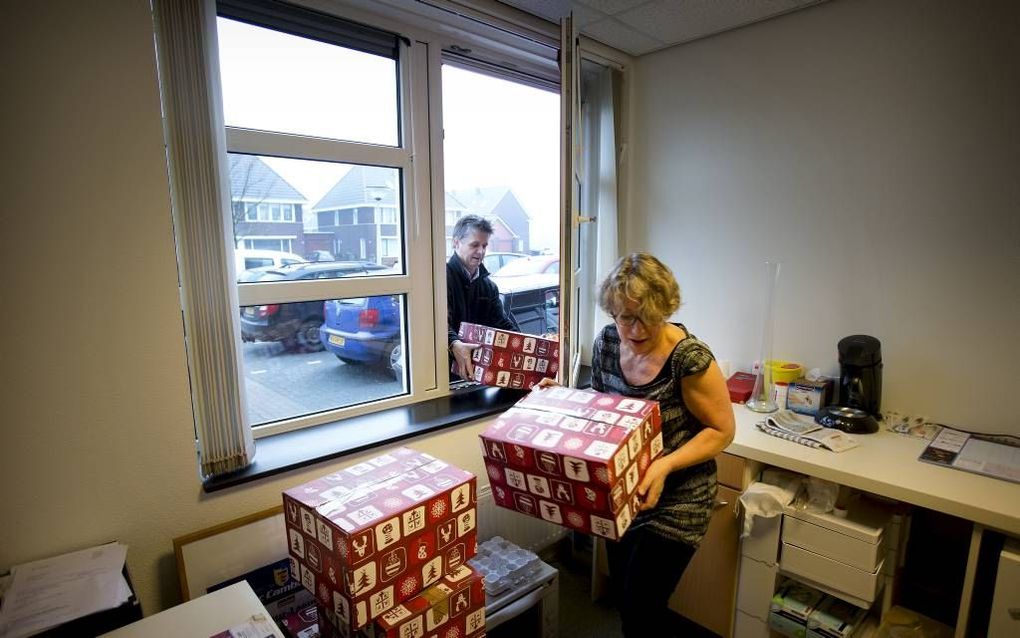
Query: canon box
(573, 457)
(374, 534)
(510, 359)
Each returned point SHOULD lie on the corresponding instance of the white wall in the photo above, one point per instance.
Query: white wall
(97, 438)
(874, 148)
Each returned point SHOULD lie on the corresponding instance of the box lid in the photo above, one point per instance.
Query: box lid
(606, 408)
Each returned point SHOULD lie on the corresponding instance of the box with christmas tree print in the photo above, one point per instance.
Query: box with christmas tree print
(573, 457)
(455, 606)
(379, 532)
(508, 359)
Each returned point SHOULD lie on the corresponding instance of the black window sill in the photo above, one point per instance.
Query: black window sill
(301, 448)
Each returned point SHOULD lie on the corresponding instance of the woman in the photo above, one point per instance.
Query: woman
(642, 355)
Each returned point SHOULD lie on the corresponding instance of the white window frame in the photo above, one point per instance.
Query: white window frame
(420, 159)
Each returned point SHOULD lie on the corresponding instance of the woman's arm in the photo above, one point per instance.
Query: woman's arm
(707, 398)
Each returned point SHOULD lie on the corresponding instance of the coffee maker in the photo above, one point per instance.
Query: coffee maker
(860, 374)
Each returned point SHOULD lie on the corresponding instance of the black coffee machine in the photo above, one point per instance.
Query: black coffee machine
(860, 374)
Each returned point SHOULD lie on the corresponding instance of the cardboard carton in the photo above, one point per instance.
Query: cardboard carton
(510, 359)
(374, 534)
(573, 457)
(454, 606)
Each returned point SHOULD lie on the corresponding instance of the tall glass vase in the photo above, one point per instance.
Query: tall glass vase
(761, 396)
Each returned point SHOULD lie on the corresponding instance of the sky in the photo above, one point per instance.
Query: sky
(496, 132)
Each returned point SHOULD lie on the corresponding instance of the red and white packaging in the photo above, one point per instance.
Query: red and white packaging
(303, 623)
(453, 607)
(377, 533)
(508, 359)
(573, 457)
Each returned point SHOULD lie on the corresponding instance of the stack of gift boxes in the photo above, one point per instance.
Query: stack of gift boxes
(383, 547)
(510, 359)
(573, 457)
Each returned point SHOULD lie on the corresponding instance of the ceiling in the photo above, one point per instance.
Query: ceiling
(642, 26)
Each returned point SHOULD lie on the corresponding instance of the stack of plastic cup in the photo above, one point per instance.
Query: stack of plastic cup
(503, 565)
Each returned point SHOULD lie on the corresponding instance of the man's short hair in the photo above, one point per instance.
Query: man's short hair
(467, 223)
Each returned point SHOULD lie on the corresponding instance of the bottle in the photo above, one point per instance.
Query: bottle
(782, 389)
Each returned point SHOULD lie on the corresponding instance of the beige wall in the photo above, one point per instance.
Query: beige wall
(97, 434)
(874, 148)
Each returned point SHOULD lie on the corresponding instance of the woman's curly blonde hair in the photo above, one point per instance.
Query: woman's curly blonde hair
(643, 279)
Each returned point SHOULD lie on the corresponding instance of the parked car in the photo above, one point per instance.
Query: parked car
(246, 259)
(533, 300)
(296, 324)
(362, 329)
(495, 261)
(320, 255)
(530, 265)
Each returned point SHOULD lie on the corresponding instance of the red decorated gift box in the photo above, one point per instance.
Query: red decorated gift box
(573, 457)
(510, 359)
(377, 533)
(453, 607)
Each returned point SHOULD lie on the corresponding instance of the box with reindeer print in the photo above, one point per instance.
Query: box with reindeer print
(573, 457)
(374, 534)
(508, 359)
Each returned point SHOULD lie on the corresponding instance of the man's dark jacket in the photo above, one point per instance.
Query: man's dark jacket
(473, 301)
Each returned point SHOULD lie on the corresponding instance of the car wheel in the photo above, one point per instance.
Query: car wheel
(349, 361)
(307, 335)
(396, 360)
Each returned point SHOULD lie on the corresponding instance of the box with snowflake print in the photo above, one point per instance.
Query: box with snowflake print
(510, 359)
(452, 608)
(379, 532)
(573, 457)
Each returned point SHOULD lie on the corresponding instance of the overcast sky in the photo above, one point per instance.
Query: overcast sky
(497, 133)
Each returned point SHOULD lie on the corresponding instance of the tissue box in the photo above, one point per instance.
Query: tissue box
(573, 457)
(835, 618)
(510, 359)
(374, 534)
(808, 397)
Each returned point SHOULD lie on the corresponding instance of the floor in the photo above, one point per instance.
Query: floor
(579, 616)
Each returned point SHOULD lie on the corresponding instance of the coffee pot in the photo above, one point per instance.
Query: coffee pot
(860, 374)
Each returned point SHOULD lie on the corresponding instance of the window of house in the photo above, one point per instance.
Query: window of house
(324, 129)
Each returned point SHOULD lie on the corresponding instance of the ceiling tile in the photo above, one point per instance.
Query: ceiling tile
(583, 16)
(620, 36)
(675, 22)
(608, 7)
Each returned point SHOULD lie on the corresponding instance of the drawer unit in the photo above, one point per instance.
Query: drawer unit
(755, 587)
(730, 470)
(840, 577)
(839, 547)
(762, 544)
(745, 626)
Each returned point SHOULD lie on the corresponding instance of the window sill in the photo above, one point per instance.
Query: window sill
(301, 448)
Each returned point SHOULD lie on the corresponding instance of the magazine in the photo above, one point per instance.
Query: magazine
(802, 429)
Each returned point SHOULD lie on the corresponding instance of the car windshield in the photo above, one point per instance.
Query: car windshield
(523, 266)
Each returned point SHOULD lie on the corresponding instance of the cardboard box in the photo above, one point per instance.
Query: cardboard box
(374, 534)
(510, 359)
(453, 607)
(573, 457)
(303, 623)
(808, 397)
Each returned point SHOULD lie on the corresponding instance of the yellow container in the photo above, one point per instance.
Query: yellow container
(785, 371)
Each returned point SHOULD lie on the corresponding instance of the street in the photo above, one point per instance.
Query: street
(283, 385)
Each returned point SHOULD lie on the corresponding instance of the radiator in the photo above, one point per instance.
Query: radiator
(524, 531)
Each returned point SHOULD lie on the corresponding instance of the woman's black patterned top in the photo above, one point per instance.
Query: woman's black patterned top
(685, 506)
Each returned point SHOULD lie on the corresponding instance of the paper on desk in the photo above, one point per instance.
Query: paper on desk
(52, 591)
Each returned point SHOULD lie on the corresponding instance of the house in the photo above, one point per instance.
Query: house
(511, 223)
(360, 213)
(267, 211)
(870, 145)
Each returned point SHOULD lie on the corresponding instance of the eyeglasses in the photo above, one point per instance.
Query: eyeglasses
(628, 321)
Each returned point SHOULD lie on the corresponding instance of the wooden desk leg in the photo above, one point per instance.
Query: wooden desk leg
(968, 581)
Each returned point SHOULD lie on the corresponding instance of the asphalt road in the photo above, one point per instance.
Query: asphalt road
(283, 385)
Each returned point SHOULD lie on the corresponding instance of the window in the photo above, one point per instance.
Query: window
(321, 119)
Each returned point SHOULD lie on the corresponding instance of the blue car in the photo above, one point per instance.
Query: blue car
(362, 329)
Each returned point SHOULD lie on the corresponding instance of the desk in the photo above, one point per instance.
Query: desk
(886, 464)
(201, 617)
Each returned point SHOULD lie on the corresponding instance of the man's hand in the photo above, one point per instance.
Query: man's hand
(546, 382)
(462, 357)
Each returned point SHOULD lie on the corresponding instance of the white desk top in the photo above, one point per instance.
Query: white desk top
(886, 464)
(201, 617)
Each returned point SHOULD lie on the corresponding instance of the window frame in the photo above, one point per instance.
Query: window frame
(419, 158)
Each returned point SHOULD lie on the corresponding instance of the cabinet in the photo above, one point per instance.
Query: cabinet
(707, 592)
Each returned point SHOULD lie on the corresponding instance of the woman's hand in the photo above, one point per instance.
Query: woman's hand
(650, 488)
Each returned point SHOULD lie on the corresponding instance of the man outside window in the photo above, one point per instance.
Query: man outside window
(470, 294)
